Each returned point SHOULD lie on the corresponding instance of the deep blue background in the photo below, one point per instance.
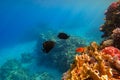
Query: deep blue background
(22, 20)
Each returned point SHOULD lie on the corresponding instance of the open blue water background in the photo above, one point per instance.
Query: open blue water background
(21, 22)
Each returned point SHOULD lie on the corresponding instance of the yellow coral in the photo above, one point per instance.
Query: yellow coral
(91, 65)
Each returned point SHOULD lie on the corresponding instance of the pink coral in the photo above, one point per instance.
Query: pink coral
(114, 5)
(116, 31)
(112, 51)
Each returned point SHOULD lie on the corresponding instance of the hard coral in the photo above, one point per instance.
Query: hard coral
(93, 64)
(112, 24)
(114, 5)
(116, 37)
(112, 19)
(108, 42)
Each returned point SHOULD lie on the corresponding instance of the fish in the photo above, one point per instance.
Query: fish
(63, 36)
(80, 50)
(48, 46)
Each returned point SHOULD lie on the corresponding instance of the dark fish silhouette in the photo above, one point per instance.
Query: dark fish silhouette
(63, 36)
(48, 45)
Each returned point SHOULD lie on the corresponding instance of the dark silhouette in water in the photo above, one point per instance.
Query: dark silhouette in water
(48, 45)
(63, 36)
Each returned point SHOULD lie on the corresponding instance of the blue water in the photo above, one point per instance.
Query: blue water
(22, 21)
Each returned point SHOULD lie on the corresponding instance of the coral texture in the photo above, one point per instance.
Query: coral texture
(42, 76)
(12, 70)
(111, 27)
(62, 54)
(112, 19)
(116, 37)
(111, 51)
(94, 64)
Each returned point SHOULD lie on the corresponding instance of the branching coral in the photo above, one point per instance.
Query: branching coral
(93, 64)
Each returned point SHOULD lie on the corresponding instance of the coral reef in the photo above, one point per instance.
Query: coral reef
(12, 70)
(112, 19)
(113, 39)
(111, 27)
(42, 76)
(111, 51)
(94, 64)
(62, 54)
(116, 37)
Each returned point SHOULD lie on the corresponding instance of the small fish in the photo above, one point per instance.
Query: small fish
(48, 45)
(63, 36)
(80, 50)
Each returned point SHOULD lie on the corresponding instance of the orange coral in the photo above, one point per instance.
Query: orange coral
(92, 65)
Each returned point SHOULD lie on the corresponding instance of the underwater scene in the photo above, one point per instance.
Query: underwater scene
(59, 39)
